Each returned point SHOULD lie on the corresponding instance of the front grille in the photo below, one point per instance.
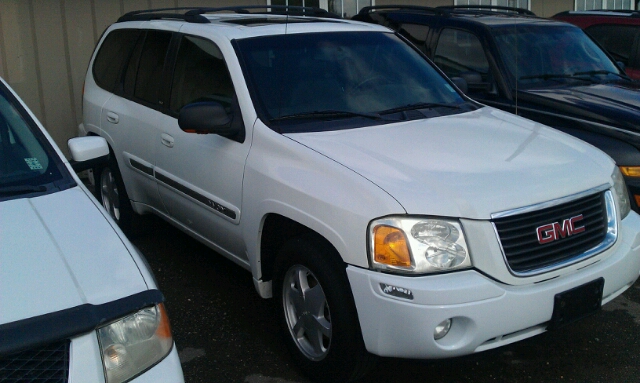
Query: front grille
(47, 364)
(519, 239)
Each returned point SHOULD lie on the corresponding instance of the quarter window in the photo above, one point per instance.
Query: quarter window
(200, 74)
(112, 56)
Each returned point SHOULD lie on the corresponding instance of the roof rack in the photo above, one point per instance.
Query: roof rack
(195, 14)
(415, 8)
(617, 12)
(489, 9)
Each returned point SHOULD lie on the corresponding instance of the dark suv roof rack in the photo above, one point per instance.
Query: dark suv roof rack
(489, 9)
(195, 14)
(403, 8)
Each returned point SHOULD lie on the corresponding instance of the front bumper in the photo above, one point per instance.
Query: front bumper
(486, 313)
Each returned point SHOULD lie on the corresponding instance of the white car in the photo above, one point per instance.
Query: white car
(77, 301)
(386, 212)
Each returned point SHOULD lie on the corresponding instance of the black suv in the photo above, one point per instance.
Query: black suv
(544, 70)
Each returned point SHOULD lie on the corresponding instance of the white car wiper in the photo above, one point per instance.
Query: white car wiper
(21, 189)
(420, 105)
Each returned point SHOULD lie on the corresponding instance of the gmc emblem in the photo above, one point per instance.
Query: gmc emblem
(554, 231)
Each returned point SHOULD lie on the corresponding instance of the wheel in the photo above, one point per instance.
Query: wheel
(109, 190)
(317, 313)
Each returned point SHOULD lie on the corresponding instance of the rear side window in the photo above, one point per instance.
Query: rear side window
(617, 39)
(151, 66)
(112, 56)
(200, 74)
(459, 52)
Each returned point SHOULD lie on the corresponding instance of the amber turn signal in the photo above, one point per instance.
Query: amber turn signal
(391, 247)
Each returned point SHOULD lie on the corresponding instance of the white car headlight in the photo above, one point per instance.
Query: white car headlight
(135, 343)
(622, 195)
(417, 245)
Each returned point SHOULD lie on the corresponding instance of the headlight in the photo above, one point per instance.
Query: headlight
(417, 245)
(620, 188)
(135, 343)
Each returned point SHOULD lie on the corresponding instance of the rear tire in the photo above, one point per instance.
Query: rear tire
(317, 313)
(110, 191)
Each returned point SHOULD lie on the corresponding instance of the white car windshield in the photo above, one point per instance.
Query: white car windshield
(28, 164)
(338, 75)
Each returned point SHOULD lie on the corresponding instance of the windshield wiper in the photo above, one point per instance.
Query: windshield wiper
(327, 114)
(555, 76)
(22, 189)
(420, 105)
(596, 72)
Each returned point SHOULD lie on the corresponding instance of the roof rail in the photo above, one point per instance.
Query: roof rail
(195, 14)
(489, 9)
(414, 8)
(620, 12)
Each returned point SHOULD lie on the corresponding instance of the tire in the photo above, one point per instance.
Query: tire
(110, 191)
(317, 313)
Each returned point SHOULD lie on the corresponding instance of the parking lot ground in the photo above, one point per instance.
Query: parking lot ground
(225, 332)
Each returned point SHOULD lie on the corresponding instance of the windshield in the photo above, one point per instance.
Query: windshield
(546, 55)
(341, 75)
(28, 164)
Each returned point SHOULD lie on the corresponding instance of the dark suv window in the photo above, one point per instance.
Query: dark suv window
(113, 55)
(617, 39)
(459, 53)
(151, 66)
(200, 74)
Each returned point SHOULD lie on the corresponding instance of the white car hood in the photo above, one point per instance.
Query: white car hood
(58, 251)
(468, 165)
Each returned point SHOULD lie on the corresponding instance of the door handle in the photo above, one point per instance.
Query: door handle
(167, 140)
(113, 117)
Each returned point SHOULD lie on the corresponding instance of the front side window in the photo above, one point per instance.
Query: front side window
(151, 66)
(617, 39)
(200, 74)
(460, 53)
(28, 163)
(339, 74)
(552, 55)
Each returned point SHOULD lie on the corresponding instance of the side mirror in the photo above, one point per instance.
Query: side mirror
(88, 152)
(461, 83)
(208, 117)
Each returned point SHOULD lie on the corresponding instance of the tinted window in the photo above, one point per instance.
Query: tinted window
(151, 66)
(617, 39)
(415, 33)
(200, 74)
(459, 52)
(548, 54)
(366, 72)
(112, 56)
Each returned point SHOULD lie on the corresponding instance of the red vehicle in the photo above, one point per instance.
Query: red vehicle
(617, 31)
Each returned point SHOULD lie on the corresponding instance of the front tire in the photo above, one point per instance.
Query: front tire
(317, 313)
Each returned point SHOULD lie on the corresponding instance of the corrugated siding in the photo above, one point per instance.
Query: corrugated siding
(45, 47)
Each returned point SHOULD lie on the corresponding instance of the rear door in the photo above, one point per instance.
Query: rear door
(131, 117)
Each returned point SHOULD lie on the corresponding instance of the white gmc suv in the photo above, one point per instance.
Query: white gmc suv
(386, 212)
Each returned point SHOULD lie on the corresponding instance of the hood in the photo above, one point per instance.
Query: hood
(468, 165)
(614, 104)
(58, 251)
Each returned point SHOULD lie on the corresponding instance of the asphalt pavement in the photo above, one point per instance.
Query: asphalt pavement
(225, 332)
